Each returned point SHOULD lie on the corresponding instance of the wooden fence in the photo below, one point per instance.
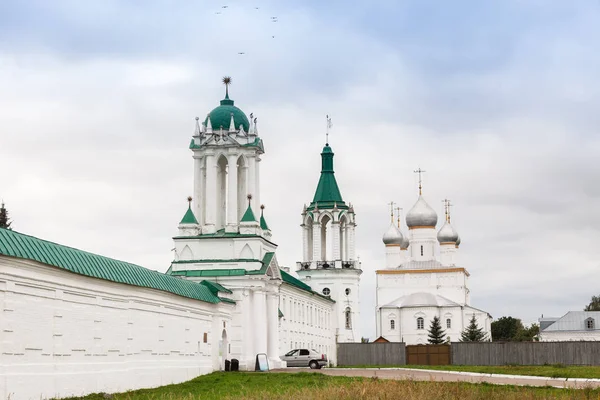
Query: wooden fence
(431, 354)
(526, 353)
(349, 354)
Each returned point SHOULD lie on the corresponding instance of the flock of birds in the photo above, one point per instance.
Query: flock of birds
(274, 19)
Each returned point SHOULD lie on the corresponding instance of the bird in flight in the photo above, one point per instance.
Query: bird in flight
(241, 53)
(218, 12)
(224, 6)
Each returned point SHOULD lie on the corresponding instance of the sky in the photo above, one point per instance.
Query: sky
(497, 101)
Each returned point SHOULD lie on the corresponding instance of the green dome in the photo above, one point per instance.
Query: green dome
(221, 116)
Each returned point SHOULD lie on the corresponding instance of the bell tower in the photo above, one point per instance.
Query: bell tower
(329, 263)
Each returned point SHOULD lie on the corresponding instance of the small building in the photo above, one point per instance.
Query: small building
(573, 326)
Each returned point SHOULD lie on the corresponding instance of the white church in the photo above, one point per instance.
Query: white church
(74, 322)
(422, 279)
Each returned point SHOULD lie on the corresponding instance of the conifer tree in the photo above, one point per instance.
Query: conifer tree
(436, 334)
(473, 333)
(5, 222)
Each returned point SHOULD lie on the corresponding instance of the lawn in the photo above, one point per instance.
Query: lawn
(552, 371)
(255, 385)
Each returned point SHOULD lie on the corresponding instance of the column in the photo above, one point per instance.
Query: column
(199, 188)
(247, 331)
(351, 252)
(335, 225)
(257, 184)
(232, 175)
(242, 190)
(260, 322)
(251, 186)
(316, 241)
(210, 218)
(272, 325)
(304, 243)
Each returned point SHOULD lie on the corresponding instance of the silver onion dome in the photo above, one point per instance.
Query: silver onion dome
(457, 241)
(405, 243)
(393, 236)
(421, 215)
(447, 234)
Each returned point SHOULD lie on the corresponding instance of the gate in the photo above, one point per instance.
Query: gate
(430, 354)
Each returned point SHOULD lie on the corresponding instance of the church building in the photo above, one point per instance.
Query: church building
(422, 279)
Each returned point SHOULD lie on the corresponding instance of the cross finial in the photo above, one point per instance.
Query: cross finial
(249, 197)
(227, 82)
(391, 204)
(420, 171)
(447, 206)
(398, 209)
(329, 125)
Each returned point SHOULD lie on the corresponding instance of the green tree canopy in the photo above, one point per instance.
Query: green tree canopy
(594, 304)
(473, 333)
(436, 334)
(5, 221)
(506, 329)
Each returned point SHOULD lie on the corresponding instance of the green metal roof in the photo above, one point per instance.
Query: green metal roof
(263, 222)
(216, 287)
(193, 145)
(289, 279)
(18, 245)
(280, 313)
(328, 194)
(189, 217)
(228, 272)
(221, 116)
(249, 215)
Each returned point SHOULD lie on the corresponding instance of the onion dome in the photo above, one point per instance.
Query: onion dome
(447, 234)
(421, 215)
(221, 116)
(457, 241)
(405, 243)
(393, 236)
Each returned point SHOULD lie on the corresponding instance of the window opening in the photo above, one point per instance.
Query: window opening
(326, 291)
(392, 324)
(420, 323)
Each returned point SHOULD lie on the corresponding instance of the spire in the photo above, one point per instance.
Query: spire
(232, 124)
(263, 222)
(328, 193)
(208, 124)
(447, 205)
(398, 209)
(249, 215)
(226, 101)
(189, 217)
(197, 131)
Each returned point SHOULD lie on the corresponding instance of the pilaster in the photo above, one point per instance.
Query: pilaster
(232, 197)
(210, 195)
(316, 241)
(199, 190)
(335, 225)
(259, 322)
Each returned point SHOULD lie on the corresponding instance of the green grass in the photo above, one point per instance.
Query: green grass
(305, 385)
(552, 371)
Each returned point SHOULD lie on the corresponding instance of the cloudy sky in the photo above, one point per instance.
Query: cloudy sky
(497, 101)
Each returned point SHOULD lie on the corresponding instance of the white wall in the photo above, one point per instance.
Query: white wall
(569, 336)
(308, 322)
(63, 334)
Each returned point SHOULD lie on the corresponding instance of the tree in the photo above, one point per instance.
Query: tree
(436, 334)
(506, 329)
(473, 333)
(528, 334)
(594, 304)
(5, 221)
(364, 340)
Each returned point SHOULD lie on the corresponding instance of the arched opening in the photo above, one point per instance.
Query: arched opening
(221, 192)
(242, 187)
(327, 238)
(420, 323)
(186, 253)
(343, 238)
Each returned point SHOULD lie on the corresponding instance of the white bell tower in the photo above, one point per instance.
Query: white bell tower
(329, 263)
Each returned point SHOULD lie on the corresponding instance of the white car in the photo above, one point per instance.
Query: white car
(305, 358)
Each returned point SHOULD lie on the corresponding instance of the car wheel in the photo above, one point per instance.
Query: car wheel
(313, 365)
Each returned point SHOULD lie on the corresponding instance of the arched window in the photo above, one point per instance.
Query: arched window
(448, 323)
(392, 324)
(420, 323)
(348, 314)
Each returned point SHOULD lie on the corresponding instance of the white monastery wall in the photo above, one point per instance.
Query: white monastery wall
(68, 334)
(308, 322)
